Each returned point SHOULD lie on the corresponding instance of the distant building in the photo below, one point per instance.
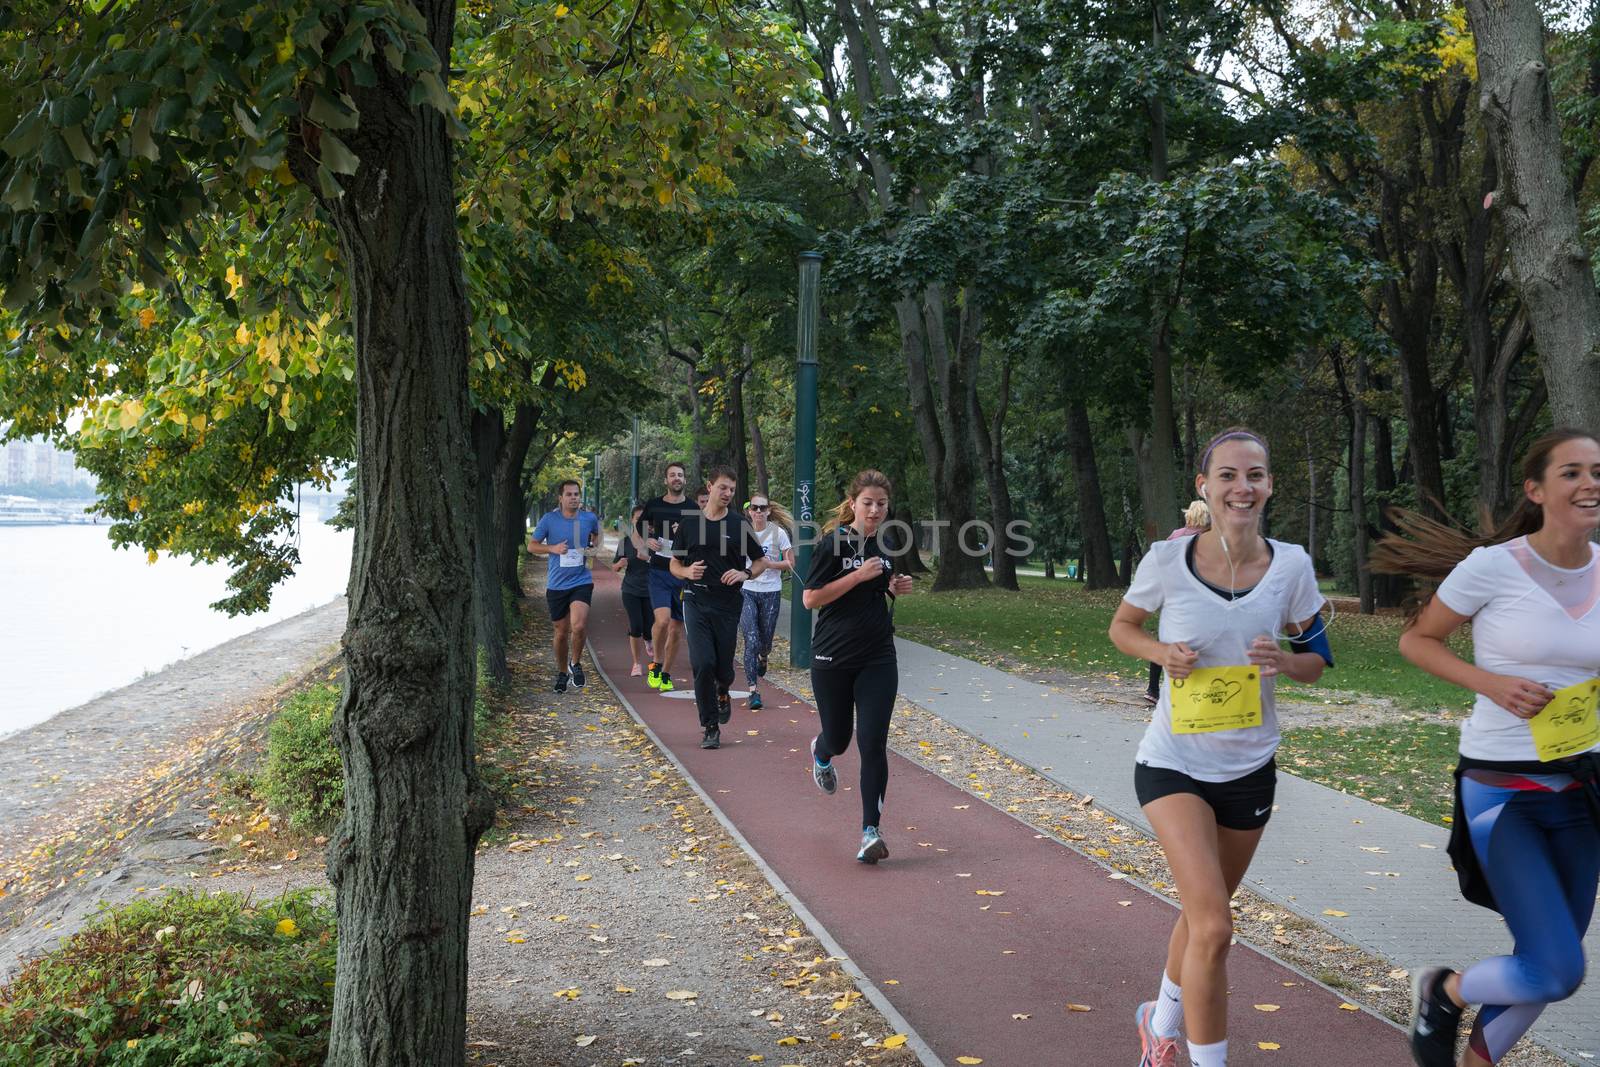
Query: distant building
(34, 460)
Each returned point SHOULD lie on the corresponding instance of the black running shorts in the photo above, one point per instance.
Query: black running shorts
(1242, 804)
(560, 600)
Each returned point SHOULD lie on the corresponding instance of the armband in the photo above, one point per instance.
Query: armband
(1316, 641)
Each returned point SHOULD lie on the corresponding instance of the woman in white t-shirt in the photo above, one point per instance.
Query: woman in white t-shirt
(1204, 773)
(1526, 834)
(763, 593)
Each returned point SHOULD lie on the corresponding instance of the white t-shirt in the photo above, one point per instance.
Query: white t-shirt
(1518, 629)
(1221, 631)
(774, 543)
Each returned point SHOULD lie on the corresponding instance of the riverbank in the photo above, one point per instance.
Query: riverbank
(97, 794)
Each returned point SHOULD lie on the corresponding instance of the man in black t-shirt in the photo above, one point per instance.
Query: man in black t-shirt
(713, 556)
(653, 536)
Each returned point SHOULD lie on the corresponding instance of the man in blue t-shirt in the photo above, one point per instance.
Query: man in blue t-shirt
(567, 536)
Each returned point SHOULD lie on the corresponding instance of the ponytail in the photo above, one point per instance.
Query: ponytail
(1428, 550)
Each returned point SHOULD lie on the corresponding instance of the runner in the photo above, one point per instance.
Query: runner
(1196, 517)
(1205, 773)
(635, 571)
(653, 534)
(854, 674)
(714, 553)
(567, 537)
(1525, 838)
(762, 595)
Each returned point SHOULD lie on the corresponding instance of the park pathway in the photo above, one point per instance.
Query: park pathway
(981, 938)
(1324, 851)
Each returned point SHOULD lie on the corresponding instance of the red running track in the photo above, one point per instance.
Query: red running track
(962, 965)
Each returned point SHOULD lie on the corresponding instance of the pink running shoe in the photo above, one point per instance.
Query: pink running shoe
(1154, 1051)
(636, 672)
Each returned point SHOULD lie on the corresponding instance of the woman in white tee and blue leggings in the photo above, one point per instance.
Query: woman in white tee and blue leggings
(1526, 834)
(1204, 773)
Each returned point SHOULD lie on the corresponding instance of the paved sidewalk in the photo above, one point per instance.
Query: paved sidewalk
(978, 931)
(1324, 850)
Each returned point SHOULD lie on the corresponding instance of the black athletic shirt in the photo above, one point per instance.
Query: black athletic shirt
(660, 519)
(636, 578)
(856, 629)
(725, 544)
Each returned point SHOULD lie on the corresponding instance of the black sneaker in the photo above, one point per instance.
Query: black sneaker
(712, 738)
(872, 847)
(577, 675)
(561, 682)
(1434, 1020)
(755, 700)
(761, 665)
(724, 707)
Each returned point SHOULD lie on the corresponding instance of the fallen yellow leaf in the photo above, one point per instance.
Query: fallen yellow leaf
(681, 994)
(585, 1041)
(570, 994)
(1079, 1007)
(894, 1042)
(968, 1059)
(1335, 913)
(1266, 1007)
(788, 1041)
(287, 927)
(1348, 1007)
(1268, 1046)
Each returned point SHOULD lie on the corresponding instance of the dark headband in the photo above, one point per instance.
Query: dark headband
(1231, 435)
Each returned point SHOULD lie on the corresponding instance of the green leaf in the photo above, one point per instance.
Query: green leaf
(172, 112)
(434, 92)
(19, 191)
(79, 145)
(69, 110)
(328, 184)
(332, 114)
(25, 136)
(336, 155)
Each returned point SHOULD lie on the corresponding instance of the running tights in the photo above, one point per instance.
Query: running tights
(862, 698)
(712, 630)
(1540, 852)
(758, 623)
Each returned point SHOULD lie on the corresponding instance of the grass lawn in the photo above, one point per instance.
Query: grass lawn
(1060, 625)
(1404, 765)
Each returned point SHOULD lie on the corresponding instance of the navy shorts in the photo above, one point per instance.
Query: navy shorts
(560, 600)
(666, 592)
(1242, 804)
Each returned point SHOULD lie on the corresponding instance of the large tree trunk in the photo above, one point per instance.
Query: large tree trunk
(735, 423)
(1158, 483)
(991, 450)
(758, 453)
(510, 500)
(401, 860)
(1539, 208)
(1099, 569)
(1355, 411)
(1387, 589)
(488, 446)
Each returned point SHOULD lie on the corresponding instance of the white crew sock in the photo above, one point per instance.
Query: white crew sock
(1168, 1016)
(1209, 1055)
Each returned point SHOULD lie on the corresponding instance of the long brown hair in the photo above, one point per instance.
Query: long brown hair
(778, 514)
(845, 513)
(1428, 549)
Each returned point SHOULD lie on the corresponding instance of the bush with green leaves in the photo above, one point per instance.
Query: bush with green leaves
(182, 980)
(304, 779)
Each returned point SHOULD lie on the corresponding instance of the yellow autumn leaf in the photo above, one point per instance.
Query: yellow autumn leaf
(242, 334)
(1348, 1007)
(568, 994)
(786, 1041)
(582, 877)
(287, 927)
(1079, 1007)
(968, 1060)
(285, 48)
(1335, 913)
(894, 1042)
(1268, 1046)
(624, 989)
(757, 1058)
(147, 318)
(234, 280)
(681, 994)
(1266, 1007)
(664, 195)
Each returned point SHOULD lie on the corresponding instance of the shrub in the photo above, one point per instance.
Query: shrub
(180, 981)
(303, 778)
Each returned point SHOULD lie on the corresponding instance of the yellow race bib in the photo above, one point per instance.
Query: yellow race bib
(1216, 698)
(1568, 724)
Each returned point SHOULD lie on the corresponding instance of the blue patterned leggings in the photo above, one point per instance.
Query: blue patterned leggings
(758, 623)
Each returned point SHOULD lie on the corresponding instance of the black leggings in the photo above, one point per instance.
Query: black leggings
(712, 630)
(862, 698)
(640, 618)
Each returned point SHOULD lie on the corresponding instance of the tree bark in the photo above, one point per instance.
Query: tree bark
(1355, 412)
(1387, 589)
(401, 860)
(1158, 483)
(488, 446)
(758, 453)
(1099, 569)
(511, 501)
(735, 422)
(991, 449)
(1538, 205)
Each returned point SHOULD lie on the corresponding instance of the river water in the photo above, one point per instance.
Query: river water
(79, 617)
